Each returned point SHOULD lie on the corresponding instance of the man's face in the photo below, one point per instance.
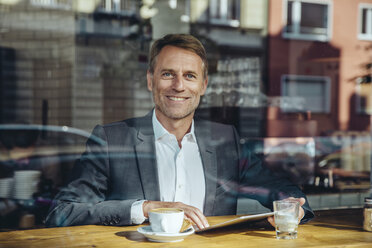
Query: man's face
(177, 83)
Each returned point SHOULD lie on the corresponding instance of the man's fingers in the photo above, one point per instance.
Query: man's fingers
(196, 216)
(302, 201)
(301, 214)
(271, 220)
(203, 219)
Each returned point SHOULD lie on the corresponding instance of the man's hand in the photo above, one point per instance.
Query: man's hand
(192, 213)
(301, 210)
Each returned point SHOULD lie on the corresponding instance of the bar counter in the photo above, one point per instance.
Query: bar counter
(332, 228)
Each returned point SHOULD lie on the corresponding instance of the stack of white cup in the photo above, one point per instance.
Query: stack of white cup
(26, 183)
(6, 187)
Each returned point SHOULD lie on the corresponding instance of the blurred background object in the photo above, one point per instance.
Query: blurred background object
(35, 162)
(293, 77)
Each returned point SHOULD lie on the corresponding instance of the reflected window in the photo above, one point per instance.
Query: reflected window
(365, 22)
(307, 20)
(315, 91)
(53, 4)
(221, 12)
(117, 5)
(364, 99)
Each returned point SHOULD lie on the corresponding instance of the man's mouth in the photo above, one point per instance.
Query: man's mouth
(177, 99)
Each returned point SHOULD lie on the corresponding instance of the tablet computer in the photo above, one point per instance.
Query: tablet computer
(245, 218)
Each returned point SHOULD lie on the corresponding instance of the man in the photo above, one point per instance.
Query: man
(167, 159)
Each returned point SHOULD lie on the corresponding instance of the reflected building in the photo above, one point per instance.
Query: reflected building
(318, 55)
(78, 63)
(42, 38)
(74, 64)
(319, 69)
(277, 68)
(234, 33)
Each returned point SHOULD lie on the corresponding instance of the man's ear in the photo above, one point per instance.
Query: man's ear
(149, 80)
(205, 84)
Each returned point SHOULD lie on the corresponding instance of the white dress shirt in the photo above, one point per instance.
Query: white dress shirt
(180, 170)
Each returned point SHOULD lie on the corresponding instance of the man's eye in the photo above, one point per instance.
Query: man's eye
(190, 76)
(167, 74)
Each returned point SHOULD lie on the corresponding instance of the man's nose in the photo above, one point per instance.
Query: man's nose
(178, 83)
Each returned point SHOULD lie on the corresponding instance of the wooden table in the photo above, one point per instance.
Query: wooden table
(329, 229)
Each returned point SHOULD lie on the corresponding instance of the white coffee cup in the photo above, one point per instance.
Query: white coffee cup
(166, 220)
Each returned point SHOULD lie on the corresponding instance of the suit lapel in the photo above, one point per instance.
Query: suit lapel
(209, 160)
(146, 158)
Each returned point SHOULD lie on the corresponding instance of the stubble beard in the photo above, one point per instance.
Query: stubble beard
(175, 115)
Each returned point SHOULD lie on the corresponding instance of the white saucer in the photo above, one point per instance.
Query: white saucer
(164, 237)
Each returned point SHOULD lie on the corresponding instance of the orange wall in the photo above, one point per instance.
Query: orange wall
(340, 59)
(354, 54)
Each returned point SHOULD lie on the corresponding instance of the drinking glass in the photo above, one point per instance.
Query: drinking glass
(286, 213)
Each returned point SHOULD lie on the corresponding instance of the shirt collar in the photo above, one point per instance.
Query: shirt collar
(160, 131)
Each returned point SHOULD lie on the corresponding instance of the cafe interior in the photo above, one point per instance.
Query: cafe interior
(292, 76)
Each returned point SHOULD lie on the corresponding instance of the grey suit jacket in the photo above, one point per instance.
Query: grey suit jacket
(109, 177)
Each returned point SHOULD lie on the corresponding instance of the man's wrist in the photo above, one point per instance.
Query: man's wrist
(144, 209)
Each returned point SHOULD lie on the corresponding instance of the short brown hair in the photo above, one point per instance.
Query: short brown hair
(185, 41)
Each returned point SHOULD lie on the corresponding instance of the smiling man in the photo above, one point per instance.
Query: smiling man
(177, 80)
(166, 158)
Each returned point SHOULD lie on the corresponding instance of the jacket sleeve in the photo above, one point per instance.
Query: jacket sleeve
(83, 201)
(259, 183)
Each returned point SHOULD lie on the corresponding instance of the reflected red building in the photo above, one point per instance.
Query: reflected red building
(319, 56)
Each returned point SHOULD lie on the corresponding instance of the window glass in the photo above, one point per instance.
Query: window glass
(364, 21)
(215, 7)
(293, 77)
(365, 18)
(313, 18)
(223, 12)
(289, 27)
(307, 20)
(314, 91)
